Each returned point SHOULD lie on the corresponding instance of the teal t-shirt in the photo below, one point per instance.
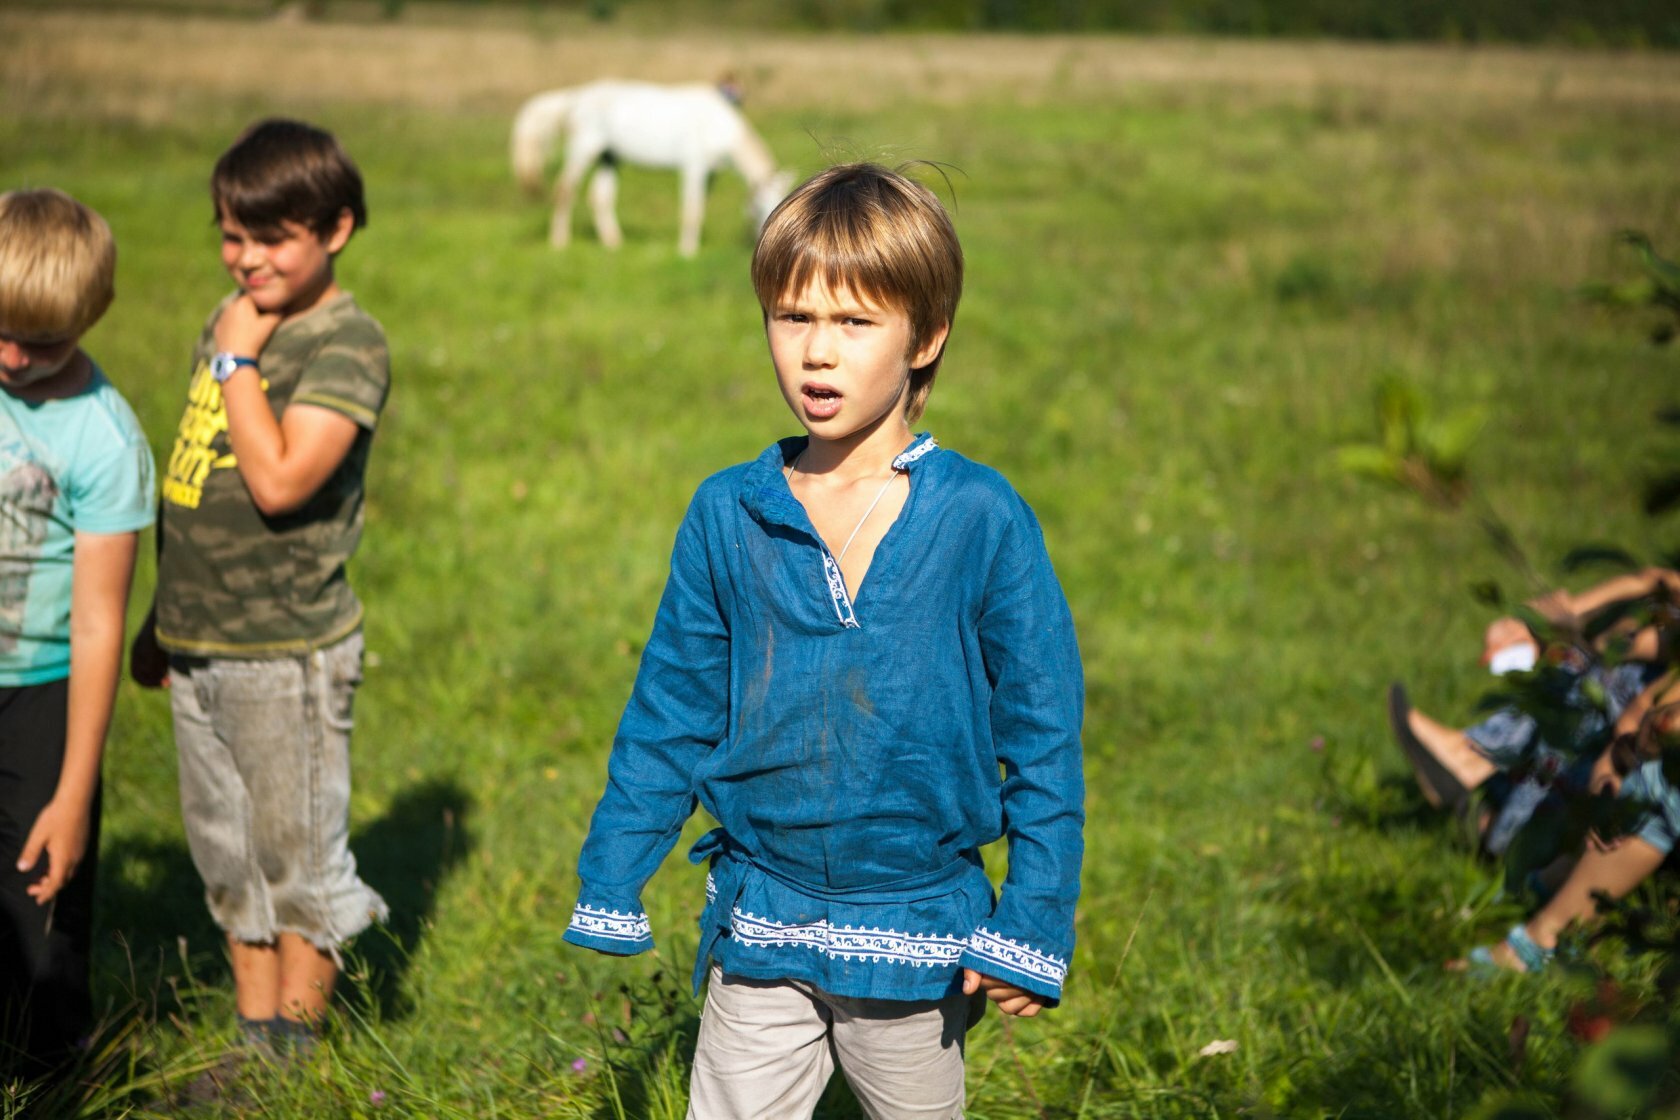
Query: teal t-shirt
(76, 465)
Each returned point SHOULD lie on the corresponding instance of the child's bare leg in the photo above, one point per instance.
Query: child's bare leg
(1614, 872)
(256, 978)
(306, 978)
(1453, 748)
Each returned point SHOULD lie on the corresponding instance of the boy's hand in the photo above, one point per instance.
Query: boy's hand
(147, 663)
(62, 832)
(1503, 632)
(243, 329)
(1009, 999)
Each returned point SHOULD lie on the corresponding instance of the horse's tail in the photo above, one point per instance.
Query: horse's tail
(539, 122)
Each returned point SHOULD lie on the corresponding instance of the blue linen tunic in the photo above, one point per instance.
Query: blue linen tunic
(856, 754)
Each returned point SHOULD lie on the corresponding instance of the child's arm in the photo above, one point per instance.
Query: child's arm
(1567, 609)
(100, 577)
(678, 711)
(285, 461)
(1019, 955)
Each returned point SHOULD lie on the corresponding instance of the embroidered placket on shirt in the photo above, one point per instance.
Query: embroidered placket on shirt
(831, 567)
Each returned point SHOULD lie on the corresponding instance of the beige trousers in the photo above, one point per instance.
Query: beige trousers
(768, 1047)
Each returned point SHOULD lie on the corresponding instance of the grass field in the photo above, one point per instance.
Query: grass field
(1189, 265)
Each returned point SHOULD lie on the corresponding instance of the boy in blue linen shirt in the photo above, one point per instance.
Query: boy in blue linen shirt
(860, 631)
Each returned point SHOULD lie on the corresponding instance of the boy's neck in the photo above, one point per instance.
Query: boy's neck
(67, 382)
(329, 292)
(861, 455)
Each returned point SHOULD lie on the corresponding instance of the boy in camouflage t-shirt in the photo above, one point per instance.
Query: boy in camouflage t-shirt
(254, 625)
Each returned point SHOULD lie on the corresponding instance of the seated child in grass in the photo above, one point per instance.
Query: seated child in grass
(1632, 768)
(1589, 691)
(262, 507)
(76, 487)
(864, 668)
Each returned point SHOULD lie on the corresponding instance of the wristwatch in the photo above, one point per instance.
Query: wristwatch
(224, 366)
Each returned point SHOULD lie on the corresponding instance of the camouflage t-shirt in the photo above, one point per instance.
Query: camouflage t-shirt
(233, 582)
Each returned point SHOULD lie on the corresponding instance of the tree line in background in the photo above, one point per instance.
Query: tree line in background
(1616, 23)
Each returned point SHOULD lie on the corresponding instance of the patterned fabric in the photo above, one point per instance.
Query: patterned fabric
(232, 582)
(1650, 788)
(856, 751)
(76, 465)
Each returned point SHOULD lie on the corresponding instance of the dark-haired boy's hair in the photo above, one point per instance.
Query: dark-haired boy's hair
(287, 171)
(875, 232)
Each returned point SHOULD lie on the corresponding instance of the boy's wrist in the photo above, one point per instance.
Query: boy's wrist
(226, 363)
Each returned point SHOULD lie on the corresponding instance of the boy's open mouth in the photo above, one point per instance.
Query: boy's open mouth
(821, 401)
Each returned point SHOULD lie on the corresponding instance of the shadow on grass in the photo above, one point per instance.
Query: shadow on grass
(151, 898)
(405, 856)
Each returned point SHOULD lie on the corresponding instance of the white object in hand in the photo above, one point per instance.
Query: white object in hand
(1517, 658)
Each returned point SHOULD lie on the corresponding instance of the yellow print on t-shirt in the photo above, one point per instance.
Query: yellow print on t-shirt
(195, 454)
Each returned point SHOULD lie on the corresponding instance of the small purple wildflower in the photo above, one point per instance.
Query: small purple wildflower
(376, 1098)
(1317, 743)
(579, 1064)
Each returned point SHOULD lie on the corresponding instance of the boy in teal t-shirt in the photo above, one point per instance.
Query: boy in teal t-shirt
(76, 486)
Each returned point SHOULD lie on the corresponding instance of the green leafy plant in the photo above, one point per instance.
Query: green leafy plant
(1658, 286)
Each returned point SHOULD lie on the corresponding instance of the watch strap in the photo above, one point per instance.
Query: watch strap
(224, 366)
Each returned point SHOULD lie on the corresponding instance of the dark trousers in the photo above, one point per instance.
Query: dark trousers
(45, 1003)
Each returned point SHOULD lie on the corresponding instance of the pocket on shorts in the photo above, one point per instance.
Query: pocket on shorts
(343, 669)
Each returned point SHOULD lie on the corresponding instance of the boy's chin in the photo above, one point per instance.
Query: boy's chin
(268, 303)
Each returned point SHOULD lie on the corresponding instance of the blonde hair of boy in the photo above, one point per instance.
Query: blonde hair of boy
(876, 233)
(58, 265)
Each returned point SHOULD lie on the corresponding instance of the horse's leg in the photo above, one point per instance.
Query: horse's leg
(693, 209)
(603, 202)
(579, 158)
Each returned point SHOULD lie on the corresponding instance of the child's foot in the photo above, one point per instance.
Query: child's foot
(1517, 953)
(1452, 748)
(1437, 782)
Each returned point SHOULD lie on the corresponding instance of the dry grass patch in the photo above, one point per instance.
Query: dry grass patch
(148, 67)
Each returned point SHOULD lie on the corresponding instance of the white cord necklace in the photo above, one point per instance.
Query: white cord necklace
(793, 469)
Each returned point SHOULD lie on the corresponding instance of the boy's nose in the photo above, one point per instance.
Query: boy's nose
(819, 347)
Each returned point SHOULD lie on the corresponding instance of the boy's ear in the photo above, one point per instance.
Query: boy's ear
(339, 236)
(929, 349)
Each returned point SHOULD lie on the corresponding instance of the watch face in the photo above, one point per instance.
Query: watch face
(222, 366)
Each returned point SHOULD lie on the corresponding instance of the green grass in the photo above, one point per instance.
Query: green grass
(1177, 306)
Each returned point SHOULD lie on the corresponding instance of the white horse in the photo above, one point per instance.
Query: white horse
(691, 128)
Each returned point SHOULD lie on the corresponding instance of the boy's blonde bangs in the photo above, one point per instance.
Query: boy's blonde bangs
(58, 264)
(876, 233)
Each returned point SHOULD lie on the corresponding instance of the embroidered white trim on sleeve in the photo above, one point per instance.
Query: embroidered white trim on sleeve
(610, 924)
(1012, 954)
(846, 942)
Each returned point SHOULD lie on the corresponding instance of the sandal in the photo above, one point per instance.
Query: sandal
(1439, 787)
(1481, 964)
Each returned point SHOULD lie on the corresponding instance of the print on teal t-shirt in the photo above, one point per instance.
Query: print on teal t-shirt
(80, 464)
